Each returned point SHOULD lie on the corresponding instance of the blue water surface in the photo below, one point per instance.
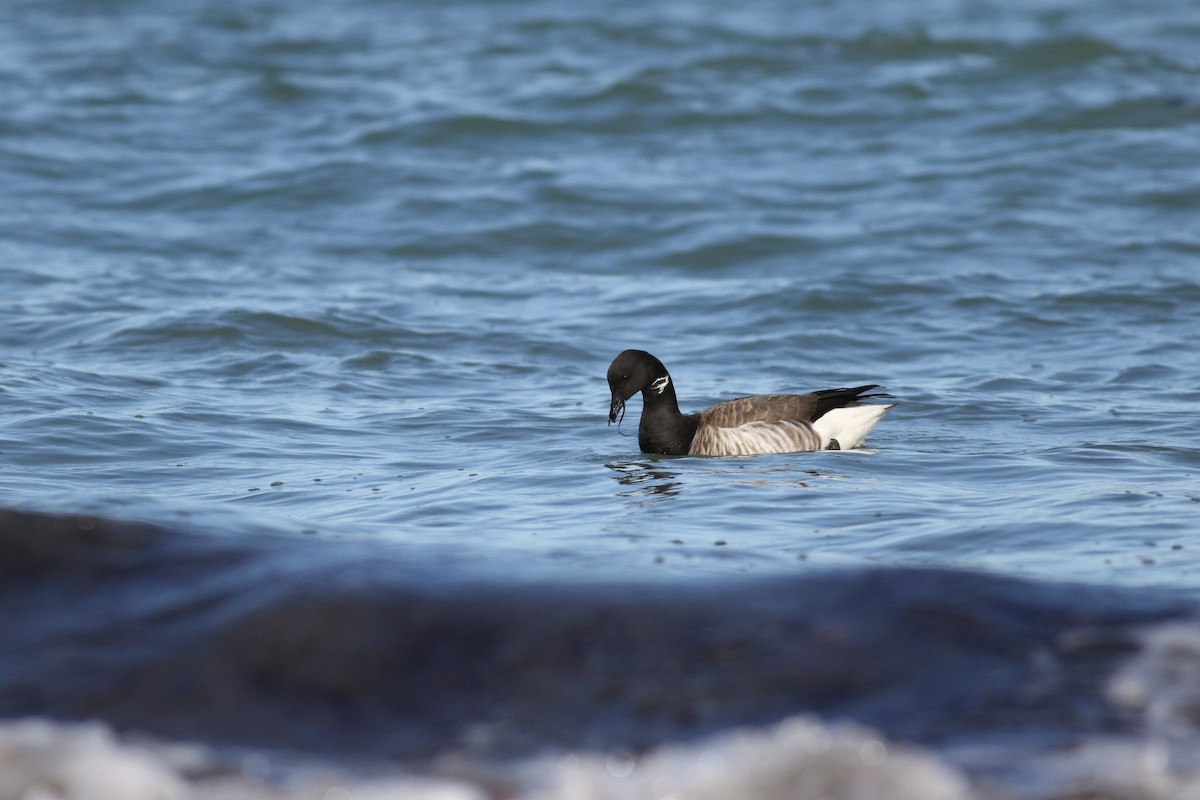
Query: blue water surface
(358, 269)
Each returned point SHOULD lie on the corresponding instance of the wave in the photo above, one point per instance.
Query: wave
(357, 649)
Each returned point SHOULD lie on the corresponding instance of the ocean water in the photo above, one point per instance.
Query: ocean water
(330, 290)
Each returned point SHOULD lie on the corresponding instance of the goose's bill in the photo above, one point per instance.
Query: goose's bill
(618, 406)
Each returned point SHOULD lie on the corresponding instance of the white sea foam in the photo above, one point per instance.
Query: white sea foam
(42, 760)
(799, 758)
(1162, 682)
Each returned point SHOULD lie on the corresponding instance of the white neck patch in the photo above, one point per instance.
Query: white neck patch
(660, 385)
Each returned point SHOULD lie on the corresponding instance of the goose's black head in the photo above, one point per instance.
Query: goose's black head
(631, 372)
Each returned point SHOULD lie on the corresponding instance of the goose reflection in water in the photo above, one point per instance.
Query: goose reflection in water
(645, 479)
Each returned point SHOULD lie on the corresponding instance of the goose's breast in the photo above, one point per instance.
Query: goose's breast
(785, 436)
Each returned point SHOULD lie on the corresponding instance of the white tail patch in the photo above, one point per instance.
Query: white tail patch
(849, 426)
(660, 385)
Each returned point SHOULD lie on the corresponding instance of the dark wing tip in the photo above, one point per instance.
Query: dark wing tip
(855, 392)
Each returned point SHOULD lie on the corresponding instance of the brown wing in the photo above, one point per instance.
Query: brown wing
(761, 408)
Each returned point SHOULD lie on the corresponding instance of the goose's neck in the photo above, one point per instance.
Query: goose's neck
(660, 395)
(663, 429)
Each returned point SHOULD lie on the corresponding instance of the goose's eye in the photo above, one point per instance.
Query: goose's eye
(625, 377)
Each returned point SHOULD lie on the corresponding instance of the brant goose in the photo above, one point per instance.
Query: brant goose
(831, 419)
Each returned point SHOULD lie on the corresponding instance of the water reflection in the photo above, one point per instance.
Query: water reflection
(653, 479)
(645, 479)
